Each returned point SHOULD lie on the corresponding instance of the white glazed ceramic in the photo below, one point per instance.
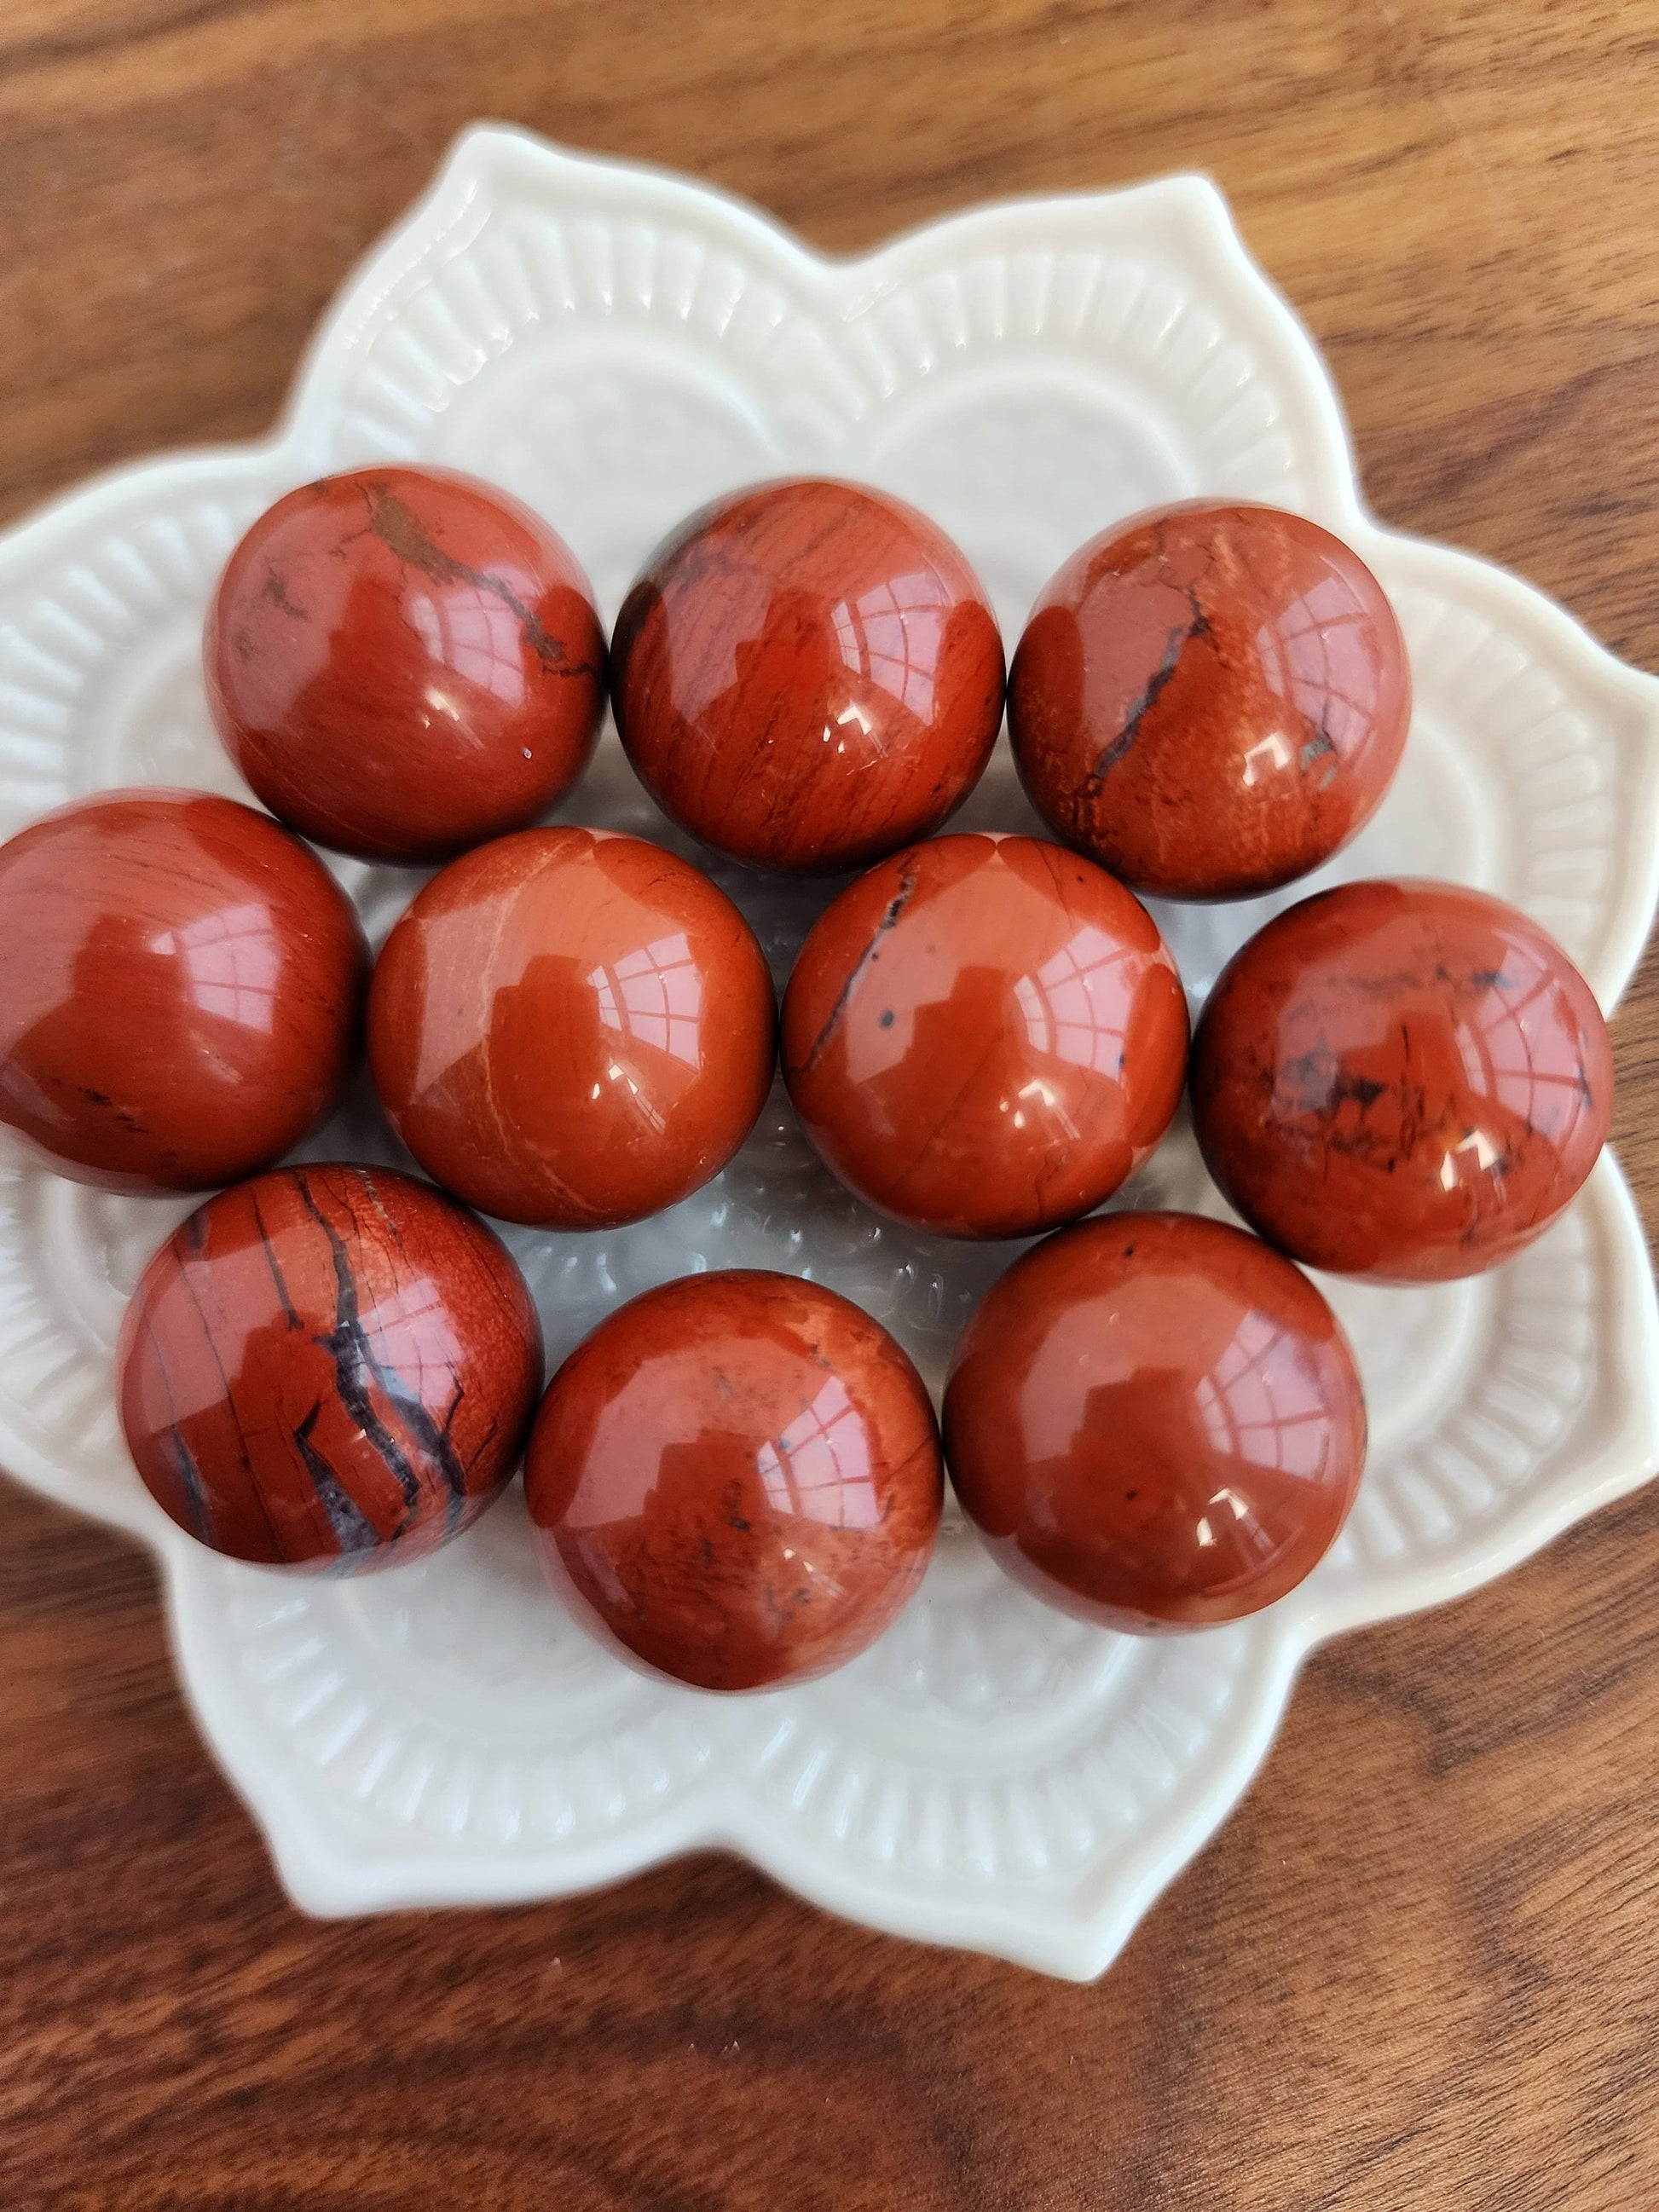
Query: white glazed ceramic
(616, 346)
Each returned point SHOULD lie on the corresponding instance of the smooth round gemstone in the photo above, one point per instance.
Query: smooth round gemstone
(984, 1035)
(404, 662)
(328, 1368)
(1155, 1422)
(807, 675)
(181, 990)
(1211, 700)
(572, 1028)
(735, 1480)
(1406, 1080)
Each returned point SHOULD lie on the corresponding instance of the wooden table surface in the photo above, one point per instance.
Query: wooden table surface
(1420, 1966)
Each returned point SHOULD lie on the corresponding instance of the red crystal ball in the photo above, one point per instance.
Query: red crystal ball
(735, 1480)
(983, 1036)
(807, 675)
(1405, 1081)
(1155, 1422)
(181, 989)
(328, 1368)
(1210, 700)
(572, 1028)
(404, 662)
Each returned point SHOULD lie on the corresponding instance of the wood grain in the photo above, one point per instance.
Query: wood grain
(1421, 1966)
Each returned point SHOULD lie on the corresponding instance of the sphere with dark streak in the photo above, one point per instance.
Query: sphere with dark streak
(1210, 700)
(807, 675)
(329, 1368)
(985, 1035)
(404, 662)
(1405, 1081)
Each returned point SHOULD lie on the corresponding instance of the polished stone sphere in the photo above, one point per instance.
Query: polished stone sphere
(572, 1028)
(1154, 1422)
(983, 1036)
(735, 1480)
(1406, 1080)
(1211, 700)
(404, 662)
(181, 990)
(807, 675)
(330, 1368)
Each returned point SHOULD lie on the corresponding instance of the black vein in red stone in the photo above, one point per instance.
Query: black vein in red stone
(1315, 748)
(353, 1530)
(896, 906)
(414, 1409)
(1179, 639)
(190, 1477)
(276, 592)
(1317, 1083)
(356, 1367)
(397, 528)
(271, 1261)
(193, 1233)
(356, 1370)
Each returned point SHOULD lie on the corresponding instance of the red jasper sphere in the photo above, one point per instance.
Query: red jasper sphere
(1155, 1422)
(404, 662)
(1211, 700)
(328, 1368)
(572, 1028)
(1406, 1080)
(807, 675)
(736, 1480)
(985, 1035)
(181, 989)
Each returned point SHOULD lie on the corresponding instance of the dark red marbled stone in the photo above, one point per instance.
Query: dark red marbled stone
(181, 989)
(330, 1368)
(736, 1480)
(985, 1035)
(572, 1028)
(807, 675)
(1211, 700)
(404, 662)
(1155, 1422)
(1406, 1080)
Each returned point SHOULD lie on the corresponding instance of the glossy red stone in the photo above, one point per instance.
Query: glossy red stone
(735, 1480)
(1406, 1080)
(572, 1028)
(1155, 1423)
(807, 675)
(1211, 700)
(181, 990)
(330, 1368)
(985, 1035)
(404, 662)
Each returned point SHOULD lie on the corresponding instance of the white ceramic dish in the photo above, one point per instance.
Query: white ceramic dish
(617, 345)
